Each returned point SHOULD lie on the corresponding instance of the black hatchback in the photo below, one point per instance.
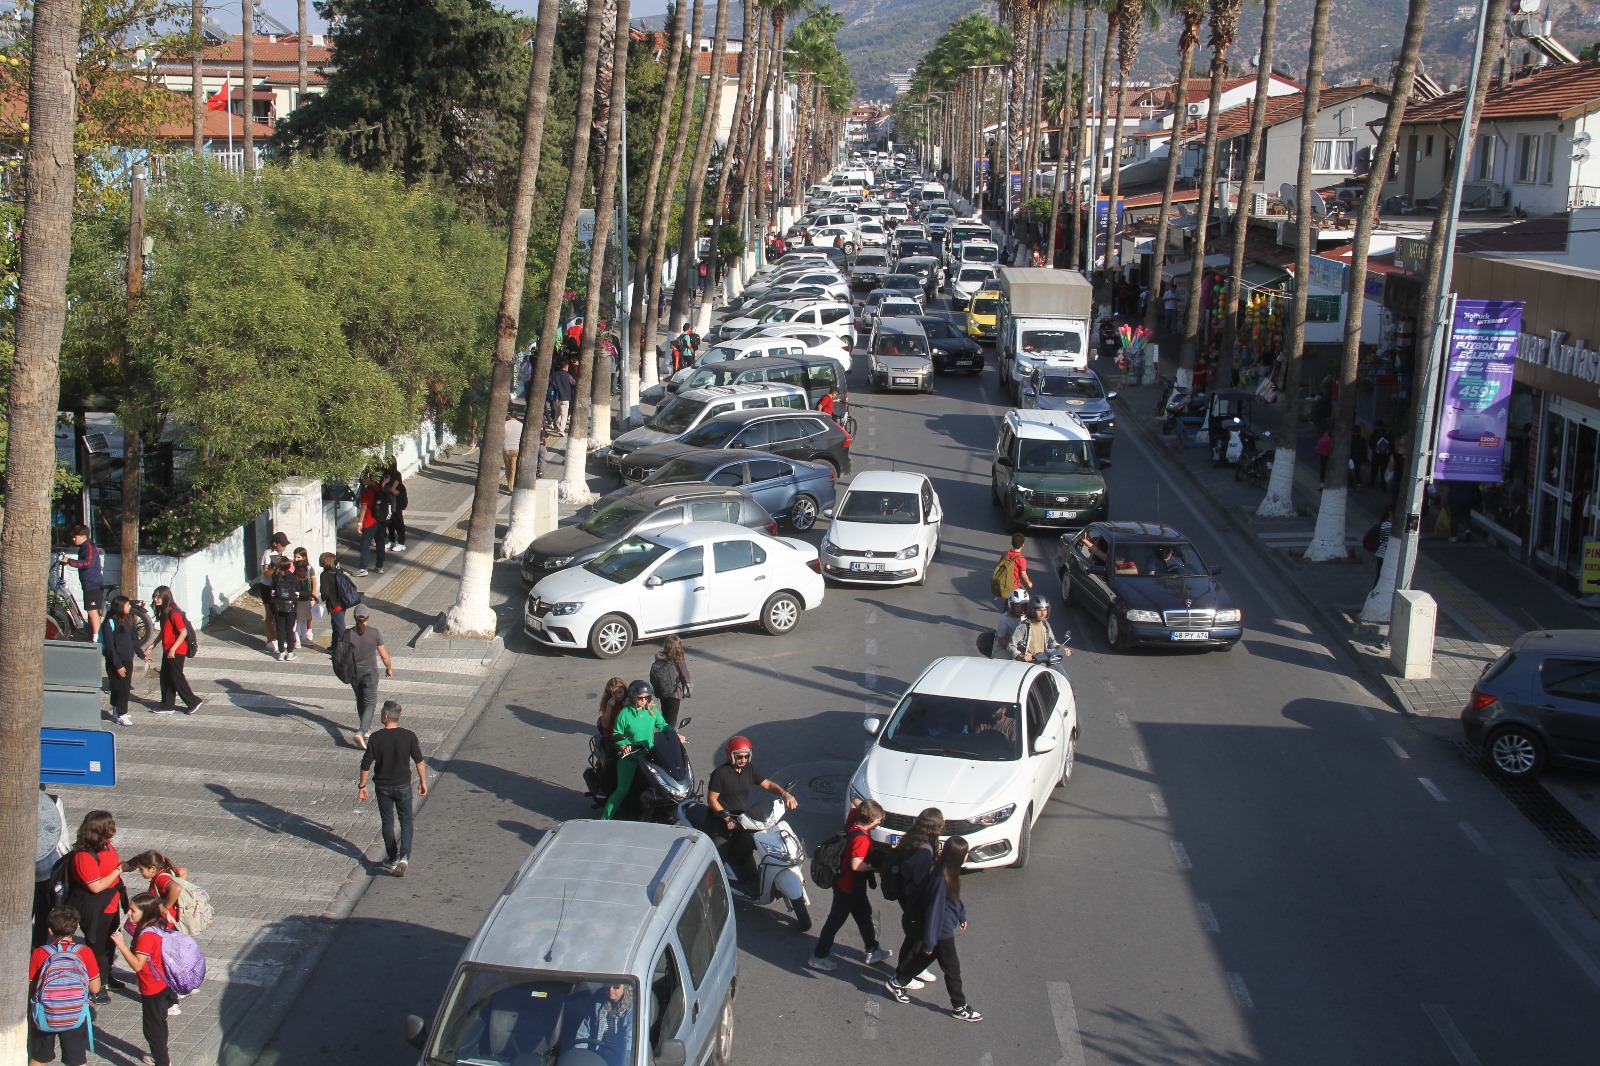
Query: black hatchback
(1538, 705)
(808, 435)
(951, 347)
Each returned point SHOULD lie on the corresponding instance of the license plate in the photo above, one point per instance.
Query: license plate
(963, 362)
(905, 381)
(1061, 514)
(866, 566)
(533, 624)
(1192, 634)
(894, 838)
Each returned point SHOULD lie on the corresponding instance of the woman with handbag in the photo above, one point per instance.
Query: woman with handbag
(177, 645)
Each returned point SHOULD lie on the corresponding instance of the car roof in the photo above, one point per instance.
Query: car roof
(744, 343)
(744, 388)
(1136, 531)
(697, 532)
(756, 414)
(969, 677)
(718, 456)
(1559, 642)
(1046, 425)
(900, 324)
(888, 481)
(677, 492)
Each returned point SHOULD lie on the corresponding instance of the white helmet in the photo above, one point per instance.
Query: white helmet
(1019, 597)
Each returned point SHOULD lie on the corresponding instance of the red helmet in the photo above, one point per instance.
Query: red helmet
(739, 744)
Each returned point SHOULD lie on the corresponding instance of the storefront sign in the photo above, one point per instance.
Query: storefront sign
(1479, 367)
(1326, 274)
(1102, 224)
(1589, 576)
(1410, 254)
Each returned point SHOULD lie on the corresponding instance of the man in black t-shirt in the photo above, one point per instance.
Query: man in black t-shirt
(728, 795)
(389, 755)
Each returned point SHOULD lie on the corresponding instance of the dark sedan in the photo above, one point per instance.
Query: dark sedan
(791, 490)
(950, 346)
(1149, 584)
(806, 435)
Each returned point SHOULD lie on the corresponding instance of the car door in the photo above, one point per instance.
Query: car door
(756, 435)
(932, 517)
(1089, 570)
(731, 475)
(771, 482)
(1004, 465)
(704, 942)
(673, 596)
(1043, 726)
(788, 438)
(737, 585)
(666, 1007)
(1570, 709)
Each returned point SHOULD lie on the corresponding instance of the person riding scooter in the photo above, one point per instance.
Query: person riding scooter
(1033, 641)
(728, 795)
(634, 731)
(1006, 627)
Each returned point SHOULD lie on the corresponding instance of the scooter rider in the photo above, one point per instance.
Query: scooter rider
(635, 731)
(1033, 640)
(1004, 629)
(728, 795)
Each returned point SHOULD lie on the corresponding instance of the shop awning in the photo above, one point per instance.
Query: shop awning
(1260, 276)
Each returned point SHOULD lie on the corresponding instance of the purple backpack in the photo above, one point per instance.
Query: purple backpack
(182, 963)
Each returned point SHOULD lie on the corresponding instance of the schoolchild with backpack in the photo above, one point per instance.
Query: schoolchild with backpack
(849, 869)
(338, 593)
(285, 598)
(1011, 572)
(944, 915)
(62, 975)
(188, 905)
(905, 880)
(144, 956)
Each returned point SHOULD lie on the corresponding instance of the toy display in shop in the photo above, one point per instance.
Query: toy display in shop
(1263, 321)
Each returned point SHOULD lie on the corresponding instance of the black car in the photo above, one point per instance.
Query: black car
(793, 434)
(926, 267)
(1538, 705)
(950, 346)
(912, 247)
(903, 281)
(645, 507)
(1149, 584)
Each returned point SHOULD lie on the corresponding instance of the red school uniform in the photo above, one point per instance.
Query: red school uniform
(91, 866)
(857, 844)
(90, 966)
(158, 889)
(148, 944)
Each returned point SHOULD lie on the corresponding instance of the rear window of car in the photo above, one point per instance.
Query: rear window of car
(1498, 667)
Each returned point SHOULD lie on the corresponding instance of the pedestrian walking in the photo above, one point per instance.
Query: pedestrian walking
(944, 916)
(372, 519)
(669, 674)
(367, 644)
(338, 594)
(1459, 498)
(850, 898)
(177, 643)
(1382, 446)
(397, 510)
(1378, 536)
(95, 890)
(120, 649)
(307, 605)
(1169, 307)
(1358, 458)
(143, 956)
(1323, 449)
(511, 447)
(390, 753)
(277, 548)
(1011, 572)
(89, 561)
(703, 274)
(55, 964)
(566, 386)
(908, 868)
(285, 606)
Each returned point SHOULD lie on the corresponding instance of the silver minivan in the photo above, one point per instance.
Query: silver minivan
(613, 945)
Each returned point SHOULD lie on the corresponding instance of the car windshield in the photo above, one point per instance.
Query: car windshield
(613, 518)
(709, 434)
(706, 377)
(1055, 457)
(977, 274)
(914, 248)
(906, 282)
(1051, 340)
(876, 297)
(1177, 558)
(989, 305)
(875, 259)
(980, 253)
(683, 468)
(898, 308)
(927, 723)
(720, 354)
(493, 1017)
(880, 508)
(1078, 386)
(624, 561)
(938, 327)
(676, 415)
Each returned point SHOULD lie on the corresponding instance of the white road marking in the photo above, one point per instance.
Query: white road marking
(1159, 804)
(869, 1024)
(1450, 1034)
(872, 647)
(1477, 839)
(1109, 686)
(1364, 712)
(987, 1059)
(870, 675)
(872, 616)
(1241, 994)
(1122, 720)
(1066, 1016)
(1181, 853)
(1208, 917)
(1433, 789)
(1560, 935)
(1139, 761)
(1394, 745)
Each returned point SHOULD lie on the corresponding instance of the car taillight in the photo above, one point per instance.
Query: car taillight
(815, 564)
(833, 475)
(1479, 700)
(771, 527)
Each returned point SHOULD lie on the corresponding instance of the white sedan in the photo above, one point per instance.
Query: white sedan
(985, 741)
(873, 235)
(885, 531)
(815, 342)
(824, 237)
(702, 575)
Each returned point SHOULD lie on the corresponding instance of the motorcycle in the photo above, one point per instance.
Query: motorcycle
(779, 853)
(1255, 458)
(662, 781)
(1183, 405)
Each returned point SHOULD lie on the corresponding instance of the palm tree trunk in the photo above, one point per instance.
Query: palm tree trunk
(695, 194)
(1097, 263)
(805, 114)
(301, 54)
(247, 79)
(1130, 21)
(197, 71)
(733, 152)
(1327, 539)
(1114, 246)
(594, 375)
(49, 182)
(1279, 501)
(602, 269)
(1208, 179)
(1188, 38)
(753, 175)
(472, 612)
(1241, 213)
(649, 219)
(1061, 140)
(1080, 144)
(779, 96)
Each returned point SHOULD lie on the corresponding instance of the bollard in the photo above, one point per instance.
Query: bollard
(1411, 628)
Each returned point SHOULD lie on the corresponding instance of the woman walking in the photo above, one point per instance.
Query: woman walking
(305, 608)
(95, 890)
(397, 509)
(120, 649)
(157, 999)
(910, 865)
(670, 676)
(850, 890)
(943, 917)
(177, 640)
(285, 598)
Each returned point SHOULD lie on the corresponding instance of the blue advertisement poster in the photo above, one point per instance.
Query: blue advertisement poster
(1102, 217)
(1479, 365)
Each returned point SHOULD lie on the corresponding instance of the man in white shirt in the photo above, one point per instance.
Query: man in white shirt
(512, 446)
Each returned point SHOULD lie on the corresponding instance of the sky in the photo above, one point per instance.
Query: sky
(285, 11)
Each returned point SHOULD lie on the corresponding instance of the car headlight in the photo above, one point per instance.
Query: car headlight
(829, 547)
(1230, 614)
(995, 817)
(1025, 493)
(557, 564)
(1111, 424)
(570, 607)
(1144, 616)
(909, 553)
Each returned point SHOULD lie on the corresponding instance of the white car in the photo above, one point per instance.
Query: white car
(822, 275)
(824, 237)
(873, 235)
(969, 279)
(885, 531)
(815, 341)
(702, 575)
(984, 740)
(824, 317)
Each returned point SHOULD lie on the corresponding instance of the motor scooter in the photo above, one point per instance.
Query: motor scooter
(1186, 406)
(779, 855)
(662, 780)
(1255, 457)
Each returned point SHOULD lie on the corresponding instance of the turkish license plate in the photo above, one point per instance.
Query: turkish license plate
(1061, 514)
(535, 625)
(1191, 634)
(866, 566)
(894, 838)
(962, 361)
(905, 381)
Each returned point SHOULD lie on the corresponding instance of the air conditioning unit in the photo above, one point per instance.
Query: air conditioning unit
(1526, 26)
(1194, 110)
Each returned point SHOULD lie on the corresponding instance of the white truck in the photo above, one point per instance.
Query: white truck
(1044, 321)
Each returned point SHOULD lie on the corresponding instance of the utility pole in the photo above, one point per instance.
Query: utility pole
(628, 382)
(132, 446)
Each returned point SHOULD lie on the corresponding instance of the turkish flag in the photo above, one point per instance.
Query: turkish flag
(219, 102)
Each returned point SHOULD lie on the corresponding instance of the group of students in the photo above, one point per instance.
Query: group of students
(296, 594)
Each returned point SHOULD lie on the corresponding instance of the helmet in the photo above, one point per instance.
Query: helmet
(1020, 597)
(640, 688)
(739, 744)
(1037, 604)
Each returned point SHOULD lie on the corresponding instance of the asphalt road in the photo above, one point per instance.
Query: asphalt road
(1257, 861)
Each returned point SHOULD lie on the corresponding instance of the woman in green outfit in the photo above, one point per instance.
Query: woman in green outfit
(634, 732)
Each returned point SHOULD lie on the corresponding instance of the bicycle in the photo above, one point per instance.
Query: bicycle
(65, 620)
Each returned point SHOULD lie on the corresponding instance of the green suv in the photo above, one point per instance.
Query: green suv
(1046, 473)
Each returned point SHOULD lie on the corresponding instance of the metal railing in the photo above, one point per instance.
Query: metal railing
(1583, 196)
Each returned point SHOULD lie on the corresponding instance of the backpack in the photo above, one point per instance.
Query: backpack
(1369, 540)
(285, 596)
(195, 913)
(183, 964)
(382, 503)
(344, 662)
(1382, 446)
(60, 881)
(985, 642)
(349, 595)
(194, 636)
(59, 1001)
(828, 859)
(664, 677)
(893, 881)
(1003, 582)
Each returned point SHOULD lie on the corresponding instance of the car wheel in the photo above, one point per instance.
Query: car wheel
(1115, 636)
(610, 637)
(802, 513)
(1024, 842)
(1070, 761)
(780, 614)
(1066, 589)
(1516, 753)
(849, 248)
(722, 1053)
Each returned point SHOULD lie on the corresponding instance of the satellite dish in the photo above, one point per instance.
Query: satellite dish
(1286, 193)
(1319, 209)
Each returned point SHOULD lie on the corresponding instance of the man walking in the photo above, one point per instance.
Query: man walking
(366, 644)
(389, 756)
(566, 386)
(372, 524)
(1169, 308)
(512, 447)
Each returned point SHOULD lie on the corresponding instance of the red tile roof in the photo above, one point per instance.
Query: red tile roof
(730, 64)
(1235, 121)
(215, 128)
(268, 49)
(1554, 92)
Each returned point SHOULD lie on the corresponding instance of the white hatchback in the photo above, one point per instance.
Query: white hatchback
(702, 575)
(885, 531)
(985, 741)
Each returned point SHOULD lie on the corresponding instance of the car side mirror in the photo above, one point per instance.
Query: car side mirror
(1104, 463)
(1044, 745)
(1111, 396)
(653, 582)
(1005, 460)
(672, 1053)
(1216, 571)
(736, 444)
(872, 725)
(415, 1031)
(1029, 393)
(827, 512)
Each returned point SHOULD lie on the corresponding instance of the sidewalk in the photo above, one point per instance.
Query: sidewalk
(255, 792)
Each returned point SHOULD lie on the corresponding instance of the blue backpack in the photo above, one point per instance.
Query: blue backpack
(59, 1001)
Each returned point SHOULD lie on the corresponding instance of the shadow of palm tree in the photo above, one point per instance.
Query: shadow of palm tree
(272, 819)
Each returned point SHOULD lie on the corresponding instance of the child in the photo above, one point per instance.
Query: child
(285, 598)
(89, 563)
(63, 923)
(145, 914)
(944, 917)
(163, 877)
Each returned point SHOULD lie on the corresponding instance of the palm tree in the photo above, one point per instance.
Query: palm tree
(816, 58)
(1241, 211)
(1331, 508)
(197, 88)
(690, 233)
(644, 265)
(602, 265)
(780, 12)
(247, 84)
(1279, 501)
(1130, 20)
(753, 173)
(593, 394)
(1192, 13)
(1113, 18)
(732, 153)
(301, 43)
(1059, 87)
(472, 613)
(1082, 144)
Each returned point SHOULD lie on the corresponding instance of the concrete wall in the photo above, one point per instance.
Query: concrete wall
(1423, 175)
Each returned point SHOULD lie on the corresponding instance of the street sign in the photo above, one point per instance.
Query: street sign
(586, 226)
(83, 757)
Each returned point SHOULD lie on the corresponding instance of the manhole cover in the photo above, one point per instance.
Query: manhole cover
(829, 784)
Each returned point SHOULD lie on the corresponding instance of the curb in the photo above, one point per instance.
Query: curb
(1585, 884)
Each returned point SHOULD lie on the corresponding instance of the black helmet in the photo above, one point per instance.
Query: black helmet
(640, 688)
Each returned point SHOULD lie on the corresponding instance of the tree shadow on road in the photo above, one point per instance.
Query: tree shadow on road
(263, 815)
